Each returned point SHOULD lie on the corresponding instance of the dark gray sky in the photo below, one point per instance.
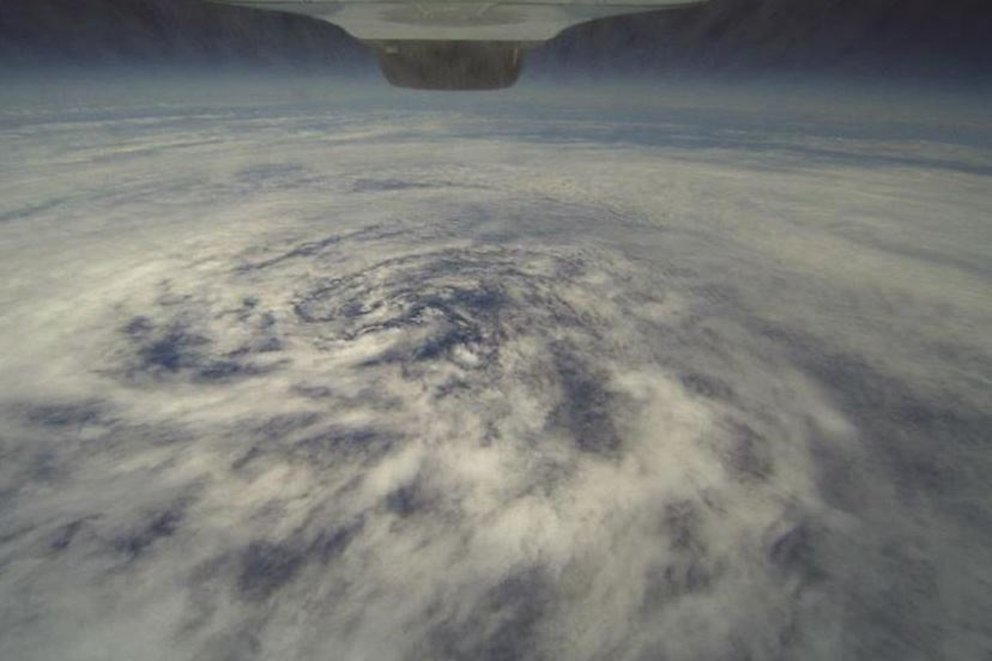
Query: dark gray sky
(947, 38)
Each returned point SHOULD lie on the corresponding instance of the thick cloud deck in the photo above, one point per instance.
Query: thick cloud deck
(293, 387)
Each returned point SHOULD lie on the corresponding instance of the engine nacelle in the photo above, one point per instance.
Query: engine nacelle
(451, 45)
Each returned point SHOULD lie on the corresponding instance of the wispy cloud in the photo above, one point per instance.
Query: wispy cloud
(415, 384)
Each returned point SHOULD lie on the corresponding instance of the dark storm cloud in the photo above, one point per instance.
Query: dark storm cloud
(379, 185)
(868, 36)
(278, 176)
(157, 525)
(504, 623)
(178, 346)
(65, 415)
(587, 406)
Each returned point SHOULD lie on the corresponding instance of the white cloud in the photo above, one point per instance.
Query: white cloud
(442, 384)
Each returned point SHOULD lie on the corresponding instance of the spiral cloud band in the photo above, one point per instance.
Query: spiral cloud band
(286, 383)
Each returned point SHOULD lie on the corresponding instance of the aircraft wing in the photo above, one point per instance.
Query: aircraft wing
(451, 44)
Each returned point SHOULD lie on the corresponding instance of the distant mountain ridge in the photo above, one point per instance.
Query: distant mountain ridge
(878, 35)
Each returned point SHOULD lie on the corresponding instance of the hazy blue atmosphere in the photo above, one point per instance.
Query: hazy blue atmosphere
(680, 349)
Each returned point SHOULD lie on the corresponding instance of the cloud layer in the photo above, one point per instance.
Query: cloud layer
(286, 382)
